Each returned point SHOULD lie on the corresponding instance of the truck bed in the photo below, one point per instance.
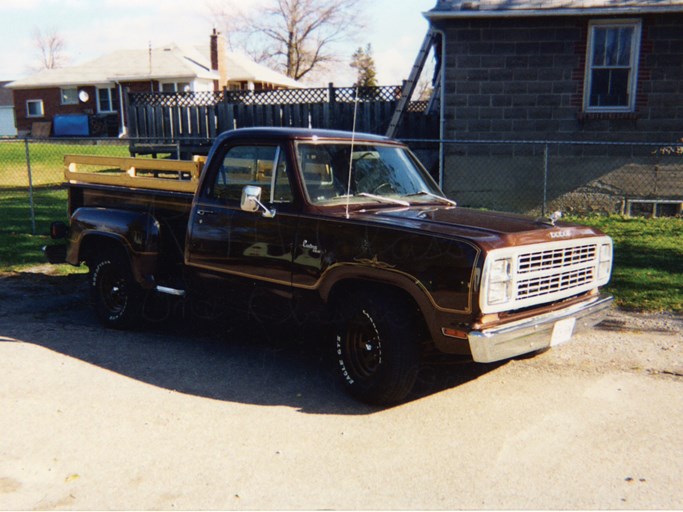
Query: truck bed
(161, 188)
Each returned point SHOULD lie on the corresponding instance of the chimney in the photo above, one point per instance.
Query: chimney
(218, 60)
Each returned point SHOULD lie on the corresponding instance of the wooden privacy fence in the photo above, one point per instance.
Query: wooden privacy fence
(192, 120)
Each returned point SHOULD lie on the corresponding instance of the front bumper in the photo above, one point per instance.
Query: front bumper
(537, 333)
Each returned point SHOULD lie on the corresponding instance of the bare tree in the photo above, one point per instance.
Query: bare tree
(50, 45)
(297, 36)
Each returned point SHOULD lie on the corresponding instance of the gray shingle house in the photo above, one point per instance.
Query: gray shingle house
(571, 70)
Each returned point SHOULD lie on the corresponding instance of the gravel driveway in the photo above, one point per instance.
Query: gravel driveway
(170, 418)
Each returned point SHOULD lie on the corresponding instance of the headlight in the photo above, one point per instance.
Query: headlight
(605, 262)
(499, 289)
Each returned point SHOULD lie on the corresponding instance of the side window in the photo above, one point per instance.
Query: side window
(263, 166)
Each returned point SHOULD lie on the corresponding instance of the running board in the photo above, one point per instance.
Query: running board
(170, 291)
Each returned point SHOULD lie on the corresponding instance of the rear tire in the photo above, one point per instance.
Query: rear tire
(116, 297)
(377, 354)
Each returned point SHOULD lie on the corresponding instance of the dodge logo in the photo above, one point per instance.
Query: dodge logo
(560, 234)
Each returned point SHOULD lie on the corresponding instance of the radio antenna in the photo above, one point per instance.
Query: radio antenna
(353, 142)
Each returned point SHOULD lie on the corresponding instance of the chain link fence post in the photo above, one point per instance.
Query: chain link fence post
(30, 187)
(545, 180)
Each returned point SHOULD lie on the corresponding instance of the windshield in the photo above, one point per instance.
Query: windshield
(378, 173)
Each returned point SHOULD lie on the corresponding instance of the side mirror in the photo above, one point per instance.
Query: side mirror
(251, 201)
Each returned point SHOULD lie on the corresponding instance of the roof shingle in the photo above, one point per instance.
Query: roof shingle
(520, 7)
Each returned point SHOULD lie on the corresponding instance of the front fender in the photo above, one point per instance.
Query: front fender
(434, 317)
(137, 233)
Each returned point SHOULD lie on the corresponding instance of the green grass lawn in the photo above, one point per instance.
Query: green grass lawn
(17, 246)
(648, 261)
(47, 161)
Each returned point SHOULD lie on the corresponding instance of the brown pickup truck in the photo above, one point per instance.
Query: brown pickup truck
(345, 229)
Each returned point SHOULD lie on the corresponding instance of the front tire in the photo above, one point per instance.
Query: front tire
(116, 297)
(377, 352)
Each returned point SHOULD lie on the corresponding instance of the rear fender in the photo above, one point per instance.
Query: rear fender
(138, 234)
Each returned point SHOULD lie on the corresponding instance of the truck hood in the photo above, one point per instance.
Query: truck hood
(492, 229)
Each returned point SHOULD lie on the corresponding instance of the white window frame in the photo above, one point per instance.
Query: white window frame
(109, 90)
(38, 102)
(68, 96)
(176, 87)
(636, 24)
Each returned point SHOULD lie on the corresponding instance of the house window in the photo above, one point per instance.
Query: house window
(69, 96)
(34, 108)
(106, 100)
(175, 87)
(612, 66)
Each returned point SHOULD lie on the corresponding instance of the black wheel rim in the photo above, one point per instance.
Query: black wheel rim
(363, 349)
(112, 291)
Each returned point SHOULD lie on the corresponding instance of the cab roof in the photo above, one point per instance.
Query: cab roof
(284, 133)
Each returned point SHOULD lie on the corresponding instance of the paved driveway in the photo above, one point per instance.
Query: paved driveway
(170, 419)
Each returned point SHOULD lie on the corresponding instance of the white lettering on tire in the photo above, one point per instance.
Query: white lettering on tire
(95, 277)
(342, 365)
(340, 352)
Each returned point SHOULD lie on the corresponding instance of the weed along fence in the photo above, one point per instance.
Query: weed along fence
(159, 121)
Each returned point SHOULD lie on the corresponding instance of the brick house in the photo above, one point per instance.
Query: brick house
(85, 100)
(562, 70)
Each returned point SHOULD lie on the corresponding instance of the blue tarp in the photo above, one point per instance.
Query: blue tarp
(73, 125)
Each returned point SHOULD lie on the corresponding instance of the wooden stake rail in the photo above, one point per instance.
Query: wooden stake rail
(145, 173)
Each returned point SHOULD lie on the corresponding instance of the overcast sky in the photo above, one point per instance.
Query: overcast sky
(91, 28)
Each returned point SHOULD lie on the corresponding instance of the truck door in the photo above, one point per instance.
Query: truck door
(226, 240)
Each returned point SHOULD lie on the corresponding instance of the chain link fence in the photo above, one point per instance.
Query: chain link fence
(539, 177)
(534, 177)
(32, 191)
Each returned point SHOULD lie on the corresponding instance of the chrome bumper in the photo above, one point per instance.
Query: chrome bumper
(510, 340)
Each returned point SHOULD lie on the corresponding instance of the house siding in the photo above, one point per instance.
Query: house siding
(522, 79)
(52, 106)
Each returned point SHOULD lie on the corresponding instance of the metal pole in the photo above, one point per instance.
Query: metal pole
(545, 180)
(30, 188)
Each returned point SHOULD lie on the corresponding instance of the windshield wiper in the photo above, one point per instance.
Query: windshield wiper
(383, 199)
(434, 196)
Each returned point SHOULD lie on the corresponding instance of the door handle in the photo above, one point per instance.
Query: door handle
(205, 212)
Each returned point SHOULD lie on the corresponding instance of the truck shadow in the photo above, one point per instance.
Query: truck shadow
(237, 362)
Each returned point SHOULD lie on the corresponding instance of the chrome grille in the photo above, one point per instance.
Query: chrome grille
(556, 258)
(545, 285)
(531, 275)
(555, 270)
